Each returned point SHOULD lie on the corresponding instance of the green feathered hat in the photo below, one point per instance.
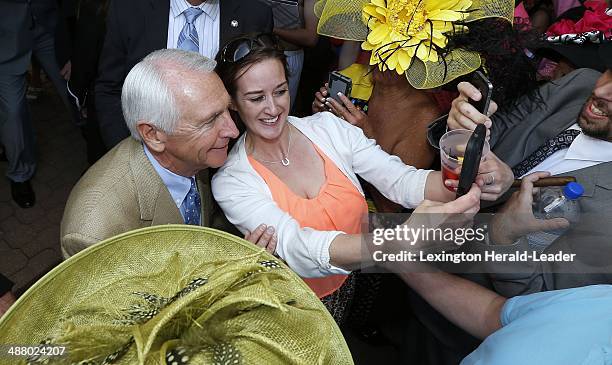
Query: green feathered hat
(171, 295)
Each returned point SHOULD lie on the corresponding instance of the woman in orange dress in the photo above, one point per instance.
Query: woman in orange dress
(299, 175)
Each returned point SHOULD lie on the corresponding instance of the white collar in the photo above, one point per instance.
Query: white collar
(585, 148)
(209, 7)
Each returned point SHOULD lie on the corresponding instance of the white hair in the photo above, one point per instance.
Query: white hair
(146, 94)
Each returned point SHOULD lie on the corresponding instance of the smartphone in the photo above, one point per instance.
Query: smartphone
(485, 87)
(339, 83)
(471, 160)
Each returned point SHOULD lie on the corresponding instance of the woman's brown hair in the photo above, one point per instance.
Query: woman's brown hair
(260, 47)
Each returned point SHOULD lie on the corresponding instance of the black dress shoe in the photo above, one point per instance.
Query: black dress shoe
(23, 194)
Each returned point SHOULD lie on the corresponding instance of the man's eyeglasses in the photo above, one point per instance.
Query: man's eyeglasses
(239, 48)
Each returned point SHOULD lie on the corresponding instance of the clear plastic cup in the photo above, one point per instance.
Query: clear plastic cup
(452, 150)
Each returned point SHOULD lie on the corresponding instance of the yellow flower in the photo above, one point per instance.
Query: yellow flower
(401, 29)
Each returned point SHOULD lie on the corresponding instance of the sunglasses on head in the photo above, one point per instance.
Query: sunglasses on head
(239, 48)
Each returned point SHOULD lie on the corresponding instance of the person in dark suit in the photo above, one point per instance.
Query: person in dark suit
(580, 105)
(27, 28)
(136, 28)
(88, 40)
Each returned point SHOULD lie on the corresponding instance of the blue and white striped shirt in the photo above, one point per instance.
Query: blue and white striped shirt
(207, 25)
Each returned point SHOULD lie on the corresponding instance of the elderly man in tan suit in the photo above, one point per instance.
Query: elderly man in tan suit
(177, 111)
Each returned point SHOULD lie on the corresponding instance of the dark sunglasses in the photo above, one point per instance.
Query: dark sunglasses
(239, 48)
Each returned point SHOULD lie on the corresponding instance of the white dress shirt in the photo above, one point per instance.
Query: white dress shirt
(207, 25)
(247, 201)
(584, 152)
(178, 186)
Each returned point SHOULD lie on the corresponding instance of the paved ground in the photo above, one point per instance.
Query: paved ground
(29, 238)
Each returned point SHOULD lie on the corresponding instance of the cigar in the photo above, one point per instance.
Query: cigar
(547, 181)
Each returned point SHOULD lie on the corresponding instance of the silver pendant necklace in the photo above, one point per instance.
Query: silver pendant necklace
(285, 160)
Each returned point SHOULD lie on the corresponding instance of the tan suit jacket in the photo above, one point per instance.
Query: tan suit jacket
(123, 192)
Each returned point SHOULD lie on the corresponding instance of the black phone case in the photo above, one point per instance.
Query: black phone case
(486, 88)
(471, 160)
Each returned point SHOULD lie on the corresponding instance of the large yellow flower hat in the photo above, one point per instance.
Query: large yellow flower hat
(411, 36)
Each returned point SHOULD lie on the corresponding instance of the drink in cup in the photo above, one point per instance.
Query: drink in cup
(452, 150)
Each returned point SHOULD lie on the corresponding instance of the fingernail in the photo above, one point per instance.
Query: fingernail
(270, 229)
(488, 123)
(262, 227)
(447, 182)
(328, 104)
(340, 94)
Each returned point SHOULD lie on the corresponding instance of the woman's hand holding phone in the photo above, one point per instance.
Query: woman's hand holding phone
(347, 110)
(318, 104)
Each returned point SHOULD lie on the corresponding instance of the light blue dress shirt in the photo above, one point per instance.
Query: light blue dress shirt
(560, 327)
(177, 185)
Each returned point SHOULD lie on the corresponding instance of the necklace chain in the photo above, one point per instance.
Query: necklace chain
(285, 160)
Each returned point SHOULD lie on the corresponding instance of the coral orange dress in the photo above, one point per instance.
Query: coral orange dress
(339, 206)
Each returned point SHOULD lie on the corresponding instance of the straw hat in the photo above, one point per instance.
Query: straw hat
(174, 294)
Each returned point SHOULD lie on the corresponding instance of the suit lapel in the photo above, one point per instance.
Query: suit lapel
(154, 200)
(229, 11)
(157, 23)
(165, 211)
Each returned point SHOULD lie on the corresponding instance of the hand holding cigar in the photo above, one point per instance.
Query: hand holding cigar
(547, 181)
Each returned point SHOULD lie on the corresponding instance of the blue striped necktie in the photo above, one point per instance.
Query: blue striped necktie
(192, 205)
(188, 39)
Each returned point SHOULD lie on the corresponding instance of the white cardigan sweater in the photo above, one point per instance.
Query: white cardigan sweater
(247, 201)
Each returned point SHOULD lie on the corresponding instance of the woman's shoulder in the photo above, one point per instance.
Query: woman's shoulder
(323, 122)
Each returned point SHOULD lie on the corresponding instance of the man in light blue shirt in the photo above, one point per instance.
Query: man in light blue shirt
(569, 326)
(178, 186)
